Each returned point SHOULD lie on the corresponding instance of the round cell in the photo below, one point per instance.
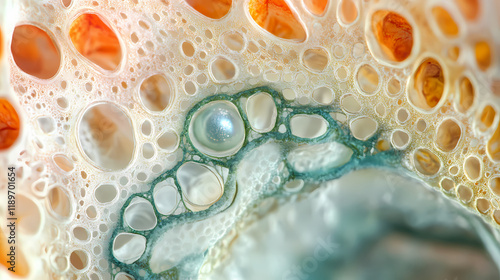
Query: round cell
(217, 129)
(166, 198)
(201, 186)
(106, 136)
(261, 112)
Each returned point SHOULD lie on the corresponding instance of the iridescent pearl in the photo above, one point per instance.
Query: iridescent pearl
(217, 129)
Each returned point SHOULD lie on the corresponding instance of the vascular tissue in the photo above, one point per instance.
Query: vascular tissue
(249, 139)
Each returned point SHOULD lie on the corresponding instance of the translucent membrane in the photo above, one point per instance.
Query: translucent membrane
(276, 17)
(214, 9)
(35, 52)
(316, 7)
(96, 41)
(393, 33)
(9, 124)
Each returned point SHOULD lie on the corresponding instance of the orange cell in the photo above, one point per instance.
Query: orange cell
(276, 17)
(34, 51)
(429, 82)
(469, 8)
(9, 124)
(96, 41)
(394, 34)
(21, 265)
(348, 11)
(1, 44)
(483, 55)
(214, 9)
(493, 145)
(445, 22)
(316, 7)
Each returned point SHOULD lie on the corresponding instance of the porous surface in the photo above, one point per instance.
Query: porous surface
(94, 97)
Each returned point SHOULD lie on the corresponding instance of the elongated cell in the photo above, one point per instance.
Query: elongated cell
(261, 112)
(428, 84)
(10, 124)
(96, 41)
(393, 33)
(35, 52)
(276, 17)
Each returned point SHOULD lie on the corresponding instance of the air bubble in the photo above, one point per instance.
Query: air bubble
(338, 52)
(146, 128)
(62, 102)
(341, 73)
(148, 150)
(421, 125)
(393, 87)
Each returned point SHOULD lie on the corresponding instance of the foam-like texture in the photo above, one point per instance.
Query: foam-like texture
(96, 100)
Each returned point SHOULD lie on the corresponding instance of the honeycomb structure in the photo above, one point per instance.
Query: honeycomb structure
(99, 103)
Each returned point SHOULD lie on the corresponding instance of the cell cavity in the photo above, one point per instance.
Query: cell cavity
(319, 157)
(201, 185)
(261, 112)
